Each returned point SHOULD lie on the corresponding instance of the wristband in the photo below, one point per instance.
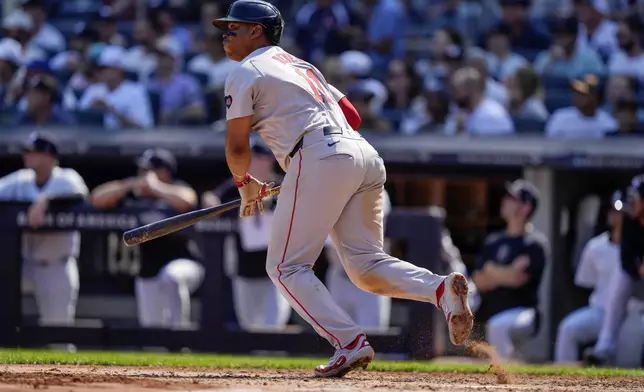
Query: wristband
(243, 182)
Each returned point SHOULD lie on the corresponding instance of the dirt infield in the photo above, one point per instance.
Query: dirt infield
(16, 378)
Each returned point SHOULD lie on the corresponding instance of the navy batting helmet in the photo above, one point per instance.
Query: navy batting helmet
(254, 11)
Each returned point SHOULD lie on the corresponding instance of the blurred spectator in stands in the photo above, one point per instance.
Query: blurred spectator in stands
(170, 270)
(493, 89)
(501, 61)
(526, 95)
(326, 27)
(630, 60)
(621, 87)
(72, 60)
(89, 71)
(386, 26)
(165, 24)
(403, 88)
(509, 269)
(585, 119)
(627, 113)
(469, 18)
(334, 74)
(446, 50)
(181, 100)
(213, 62)
(9, 65)
(427, 114)
(359, 68)
(46, 37)
(595, 29)
(125, 104)
(43, 104)
(21, 83)
(361, 98)
(141, 58)
(19, 26)
(565, 58)
(598, 262)
(524, 33)
(475, 113)
(105, 23)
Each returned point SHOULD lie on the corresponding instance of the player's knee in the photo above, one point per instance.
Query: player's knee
(567, 328)
(371, 282)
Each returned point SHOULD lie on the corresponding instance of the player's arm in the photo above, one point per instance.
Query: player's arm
(110, 194)
(240, 94)
(349, 111)
(586, 274)
(181, 197)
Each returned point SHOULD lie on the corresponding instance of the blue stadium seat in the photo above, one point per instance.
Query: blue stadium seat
(203, 79)
(155, 103)
(89, 117)
(551, 82)
(133, 76)
(528, 126)
(557, 100)
(529, 54)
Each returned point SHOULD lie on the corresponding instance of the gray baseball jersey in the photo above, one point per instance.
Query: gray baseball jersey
(286, 96)
(21, 186)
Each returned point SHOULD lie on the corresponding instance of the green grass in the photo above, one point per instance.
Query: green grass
(237, 362)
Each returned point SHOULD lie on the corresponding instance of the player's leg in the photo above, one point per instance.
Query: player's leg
(150, 302)
(497, 330)
(178, 279)
(276, 310)
(312, 198)
(579, 327)
(56, 291)
(358, 234)
(339, 284)
(247, 295)
(614, 313)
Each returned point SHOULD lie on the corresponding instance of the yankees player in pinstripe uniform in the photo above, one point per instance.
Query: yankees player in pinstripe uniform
(48, 258)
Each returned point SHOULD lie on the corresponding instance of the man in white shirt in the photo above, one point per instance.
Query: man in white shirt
(213, 62)
(46, 36)
(630, 59)
(125, 104)
(595, 29)
(476, 114)
(501, 61)
(600, 259)
(585, 119)
(19, 26)
(493, 89)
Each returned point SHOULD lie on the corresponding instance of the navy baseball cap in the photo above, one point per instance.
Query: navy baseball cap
(157, 158)
(524, 191)
(40, 142)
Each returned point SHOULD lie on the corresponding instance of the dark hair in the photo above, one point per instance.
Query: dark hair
(415, 85)
(634, 24)
(528, 81)
(626, 104)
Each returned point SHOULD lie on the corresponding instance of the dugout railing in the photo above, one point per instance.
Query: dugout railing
(419, 229)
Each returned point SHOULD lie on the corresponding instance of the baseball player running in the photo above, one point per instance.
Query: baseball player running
(49, 258)
(333, 184)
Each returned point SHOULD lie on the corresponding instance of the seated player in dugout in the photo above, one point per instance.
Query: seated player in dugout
(256, 300)
(508, 271)
(169, 271)
(621, 283)
(49, 259)
(599, 262)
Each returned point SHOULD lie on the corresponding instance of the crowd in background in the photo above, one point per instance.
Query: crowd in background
(569, 68)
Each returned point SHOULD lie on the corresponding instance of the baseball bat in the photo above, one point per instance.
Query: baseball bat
(169, 225)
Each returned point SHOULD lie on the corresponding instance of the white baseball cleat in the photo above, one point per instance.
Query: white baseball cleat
(451, 296)
(358, 354)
